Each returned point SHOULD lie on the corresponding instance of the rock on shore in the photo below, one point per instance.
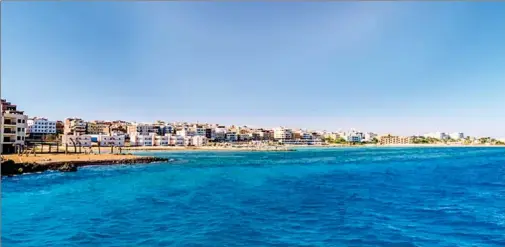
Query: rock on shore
(9, 167)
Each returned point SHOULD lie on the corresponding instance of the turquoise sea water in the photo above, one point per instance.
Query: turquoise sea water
(312, 197)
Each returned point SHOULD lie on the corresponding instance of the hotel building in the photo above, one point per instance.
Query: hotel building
(38, 127)
(390, 139)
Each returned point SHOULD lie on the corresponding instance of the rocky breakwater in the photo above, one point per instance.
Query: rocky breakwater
(9, 167)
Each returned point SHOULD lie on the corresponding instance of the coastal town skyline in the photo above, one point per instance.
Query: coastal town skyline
(402, 68)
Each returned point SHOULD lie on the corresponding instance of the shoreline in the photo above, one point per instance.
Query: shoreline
(211, 148)
(15, 165)
(294, 147)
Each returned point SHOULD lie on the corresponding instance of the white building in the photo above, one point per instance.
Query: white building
(283, 133)
(246, 137)
(457, 135)
(40, 126)
(195, 141)
(175, 140)
(220, 133)
(161, 140)
(369, 136)
(142, 140)
(437, 135)
(352, 136)
(231, 136)
(14, 128)
(111, 141)
(200, 131)
(13, 131)
(306, 136)
(76, 140)
(184, 132)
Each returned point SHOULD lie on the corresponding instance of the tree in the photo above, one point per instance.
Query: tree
(374, 140)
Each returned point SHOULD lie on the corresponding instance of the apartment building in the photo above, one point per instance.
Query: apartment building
(332, 135)
(369, 136)
(140, 129)
(74, 126)
(457, 135)
(220, 133)
(437, 135)
(195, 141)
(231, 136)
(282, 133)
(142, 140)
(80, 140)
(13, 129)
(306, 136)
(200, 131)
(111, 141)
(245, 137)
(297, 135)
(176, 140)
(98, 128)
(390, 139)
(210, 133)
(60, 127)
(266, 135)
(185, 131)
(163, 140)
(352, 136)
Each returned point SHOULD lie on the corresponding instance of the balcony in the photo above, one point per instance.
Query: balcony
(9, 122)
(9, 132)
(8, 140)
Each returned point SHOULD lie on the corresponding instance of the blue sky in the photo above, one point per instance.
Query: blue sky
(403, 68)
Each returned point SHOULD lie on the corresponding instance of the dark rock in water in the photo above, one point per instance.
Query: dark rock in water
(68, 168)
(9, 167)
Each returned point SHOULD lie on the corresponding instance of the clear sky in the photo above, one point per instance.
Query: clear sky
(404, 68)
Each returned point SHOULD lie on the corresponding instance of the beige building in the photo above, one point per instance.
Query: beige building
(74, 126)
(282, 133)
(13, 129)
(390, 139)
(98, 128)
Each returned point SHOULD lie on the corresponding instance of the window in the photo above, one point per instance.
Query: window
(23, 138)
(19, 129)
(19, 138)
(23, 121)
(19, 120)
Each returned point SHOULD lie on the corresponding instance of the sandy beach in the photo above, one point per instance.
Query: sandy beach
(104, 151)
(46, 158)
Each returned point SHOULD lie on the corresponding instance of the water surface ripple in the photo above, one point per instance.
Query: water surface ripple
(312, 197)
